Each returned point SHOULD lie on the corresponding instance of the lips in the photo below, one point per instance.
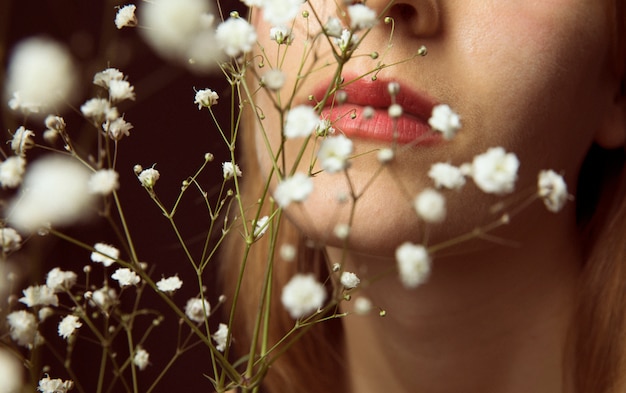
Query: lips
(411, 128)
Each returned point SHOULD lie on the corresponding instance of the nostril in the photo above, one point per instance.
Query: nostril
(404, 12)
(420, 18)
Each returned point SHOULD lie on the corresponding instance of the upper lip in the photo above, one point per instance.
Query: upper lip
(364, 92)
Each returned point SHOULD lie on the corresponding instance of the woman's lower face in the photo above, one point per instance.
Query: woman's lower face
(532, 77)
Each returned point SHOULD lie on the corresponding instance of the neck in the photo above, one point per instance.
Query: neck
(495, 320)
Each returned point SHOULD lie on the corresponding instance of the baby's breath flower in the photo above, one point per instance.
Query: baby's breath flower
(23, 328)
(495, 171)
(99, 110)
(346, 40)
(220, 337)
(334, 153)
(235, 36)
(104, 182)
(288, 252)
(385, 155)
(47, 385)
(362, 305)
(447, 176)
(39, 295)
(148, 177)
(282, 35)
(274, 79)
(117, 129)
(293, 189)
(552, 189)
(11, 372)
(55, 123)
(333, 27)
(302, 295)
(59, 280)
(104, 298)
(11, 171)
(68, 326)
(104, 78)
(260, 227)
(280, 12)
(445, 120)
(300, 122)
(230, 170)
(120, 90)
(105, 254)
(126, 277)
(197, 309)
(10, 240)
(141, 358)
(45, 313)
(125, 16)
(361, 17)
(430, 206)
(206, 98)
(169, 284)
(22, 140)
(413, 264)
(324, 128)
(349, 280)
(395, 111)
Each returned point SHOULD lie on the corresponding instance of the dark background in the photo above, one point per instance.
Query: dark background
(169, 131)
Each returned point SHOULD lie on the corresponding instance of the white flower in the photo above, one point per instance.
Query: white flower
(11, 171)
(395, 111)
(169, 284)
(349, 280)
(334, 153)
(385, 155)
(552, 189)
(447, 176)
(346, 40)
(103, 182)
(148, 177)
(413, 264)
(430, 205)
(45, 313)
(181, 30)
(22, 140)
(342, 231)
(235, 36)
(126, 277)
(302, 295)
(141, 358)
(229, 170)
(47, 385)
(23, 328)
(280, 12)
(324, 127)
(11, 373)
(59, 280)
(39, 295)
(10, 240)
(206, 98)
(99, 110)
(104, 78)
(105, 254)
(288, 252)
(495, 171)
(300, 121)
(274, 79)
(260, 227)
(282, 35)
(333, 27)
(445, 120)
(120, 90)
(41, 75)
(117, 129)
(125, 16)
(197, 309)
(220, 337)
(293, 189)
(104, 298)
(362, 305)
(361, 17)
(68, 326)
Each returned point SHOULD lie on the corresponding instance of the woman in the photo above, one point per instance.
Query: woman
(542, 312)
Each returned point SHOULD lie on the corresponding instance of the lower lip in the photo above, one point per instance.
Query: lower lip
(407, 129)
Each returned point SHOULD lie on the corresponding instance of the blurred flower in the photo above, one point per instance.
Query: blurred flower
(349, 280)
(41, 76)
(99, 110)
(103, 182)
(104, 78)
(413, 264)
(60, 280)
(334, 153)
(11, 372)
(68, 326)
(22, 140)
(430, 206)
(300, 121)
(39, 295)
(260, 227)
(280, 12)
(342, 231)
(235, 36)
(361, 17)
(11, 171)
(552, 189)
(385, 155)
(197, 309)
(169, 284)
(333, 27)
(293, 189)
(23, 328)
(141, 358)
(495, 171)
(125, 16)
(274, 79)
(10, 240)
(362, 305)
(447, 176)
(445, 120)
(104, 298)
(105, 254)
(220, 337)
(126, 277)
(302, 295)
